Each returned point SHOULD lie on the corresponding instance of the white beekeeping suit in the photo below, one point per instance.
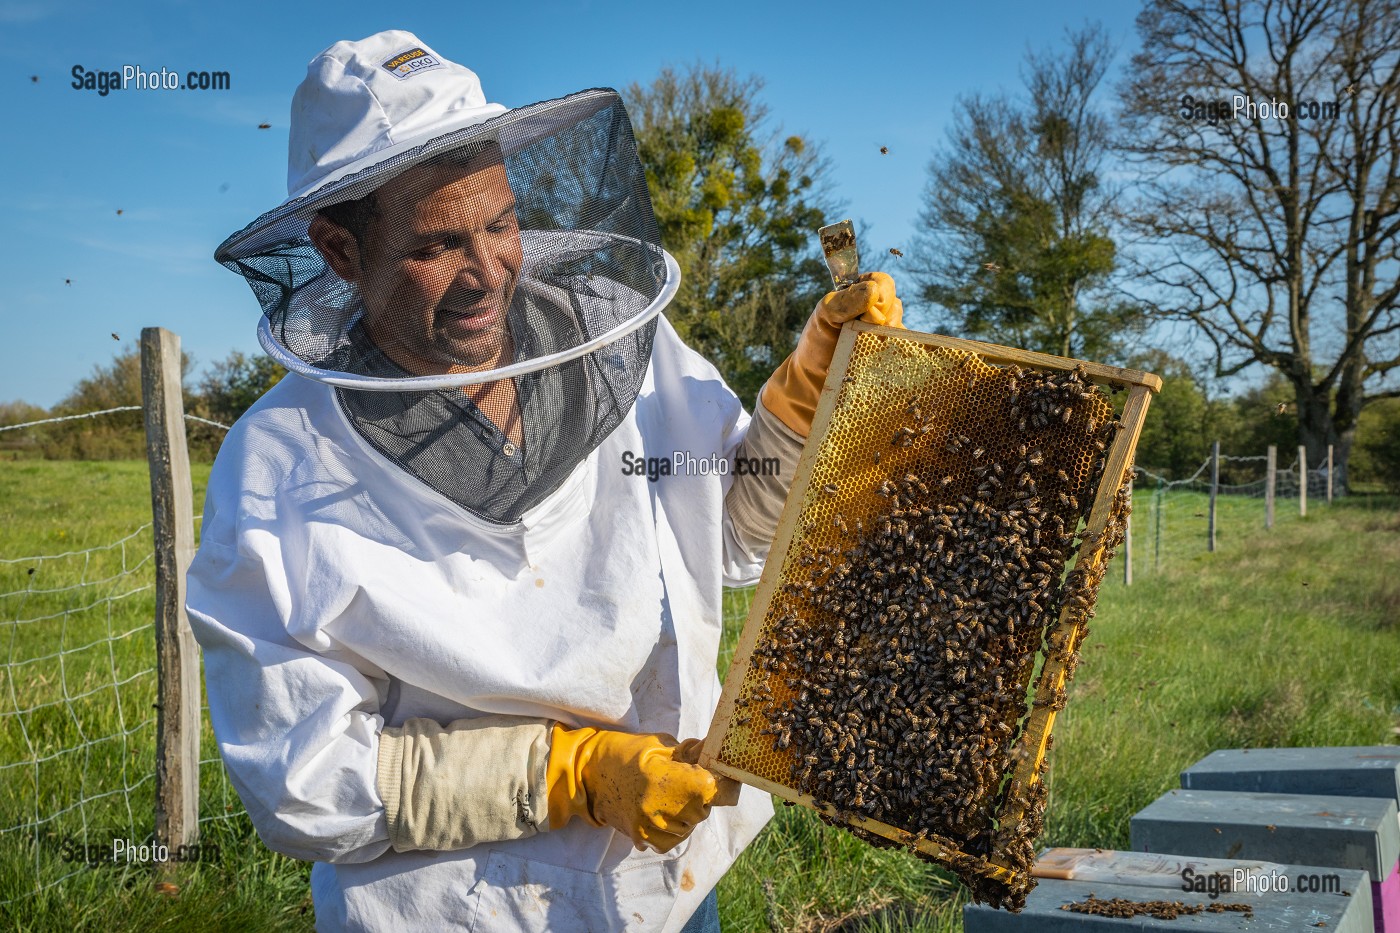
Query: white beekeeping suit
(418, 570)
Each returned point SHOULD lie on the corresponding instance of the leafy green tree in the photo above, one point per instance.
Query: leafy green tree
(1015, 244)
(1183, 419)
(233, 384)
(25, 442)
(1377, 456)
(738, 205)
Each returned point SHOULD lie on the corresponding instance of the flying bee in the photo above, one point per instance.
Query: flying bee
(884, 150)
(264, 126)
(895, 252)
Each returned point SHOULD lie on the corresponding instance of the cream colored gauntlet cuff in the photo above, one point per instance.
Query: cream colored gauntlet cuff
(473, 781)
(755, 501)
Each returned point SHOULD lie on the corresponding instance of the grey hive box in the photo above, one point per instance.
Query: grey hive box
(1355, 771)
(1307, 829)
(1274, 912)
(1340, 832)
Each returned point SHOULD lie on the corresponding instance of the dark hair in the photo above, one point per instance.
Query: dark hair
(354, 216)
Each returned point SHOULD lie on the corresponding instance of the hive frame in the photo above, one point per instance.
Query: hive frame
(1031, 748)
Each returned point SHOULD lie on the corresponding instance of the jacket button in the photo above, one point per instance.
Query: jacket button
(508, 449)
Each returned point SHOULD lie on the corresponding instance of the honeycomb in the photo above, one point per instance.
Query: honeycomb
(929, 419)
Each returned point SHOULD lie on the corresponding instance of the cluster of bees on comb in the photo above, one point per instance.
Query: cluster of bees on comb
(896, 669)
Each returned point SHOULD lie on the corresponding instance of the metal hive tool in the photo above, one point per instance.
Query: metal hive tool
(918, 438)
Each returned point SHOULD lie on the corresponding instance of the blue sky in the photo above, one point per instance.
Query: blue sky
(187, 168)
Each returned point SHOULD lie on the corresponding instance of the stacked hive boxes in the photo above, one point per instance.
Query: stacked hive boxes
(1318, 827)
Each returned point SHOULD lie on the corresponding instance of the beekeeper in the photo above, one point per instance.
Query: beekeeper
(448, 640)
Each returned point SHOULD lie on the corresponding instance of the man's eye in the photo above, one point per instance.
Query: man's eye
(437, 248)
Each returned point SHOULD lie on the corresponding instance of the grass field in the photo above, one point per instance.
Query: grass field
(1281, 638)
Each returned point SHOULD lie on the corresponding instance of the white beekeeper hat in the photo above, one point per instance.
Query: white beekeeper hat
(363, 102)
(372, 109)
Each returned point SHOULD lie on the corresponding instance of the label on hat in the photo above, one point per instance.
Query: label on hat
(411, 62)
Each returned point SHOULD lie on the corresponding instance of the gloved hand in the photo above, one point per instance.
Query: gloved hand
(630, 783)
(792, 391)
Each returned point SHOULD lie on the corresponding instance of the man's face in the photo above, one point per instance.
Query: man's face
(439, 266)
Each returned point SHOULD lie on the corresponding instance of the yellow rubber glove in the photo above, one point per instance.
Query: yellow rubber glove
(792, 391)
(630, 783)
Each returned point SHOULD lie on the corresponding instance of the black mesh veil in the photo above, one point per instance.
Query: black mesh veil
(484, 303)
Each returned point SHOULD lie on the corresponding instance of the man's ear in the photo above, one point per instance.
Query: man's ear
(337, 246)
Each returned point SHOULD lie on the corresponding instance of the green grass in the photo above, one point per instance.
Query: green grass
(1285, 637)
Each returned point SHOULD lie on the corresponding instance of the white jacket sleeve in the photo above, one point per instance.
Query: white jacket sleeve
(298, 729)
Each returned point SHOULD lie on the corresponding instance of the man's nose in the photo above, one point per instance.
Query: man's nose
(481, 267)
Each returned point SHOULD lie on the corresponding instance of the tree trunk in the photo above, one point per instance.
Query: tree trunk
(1317, 427)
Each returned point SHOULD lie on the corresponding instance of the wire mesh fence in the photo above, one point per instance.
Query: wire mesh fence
(79, 695)
(1175, 519)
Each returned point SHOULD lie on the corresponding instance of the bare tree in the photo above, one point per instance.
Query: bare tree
(1270, 202)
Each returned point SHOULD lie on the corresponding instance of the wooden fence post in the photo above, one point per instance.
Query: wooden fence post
(1270, 479)
(177, 654)
(1329, 474)
(1302, 481)
(1214, 489)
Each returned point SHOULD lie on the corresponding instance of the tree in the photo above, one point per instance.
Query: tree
(233, 384)
(1378, 451)
(738, 207)
(1186, 416)
(1267, 136)
(108, 437)
(25, 441)
(1015, 244)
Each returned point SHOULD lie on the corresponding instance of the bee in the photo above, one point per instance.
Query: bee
(877, 458)
(264, 126)
(116, 337)
(1282, 407)
(33, 79)
(992, 267)
(884, 150)
(119, 212)
(895, 252)
(67, 281)
(829, 489)
(839, 523)
(1350, 89)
